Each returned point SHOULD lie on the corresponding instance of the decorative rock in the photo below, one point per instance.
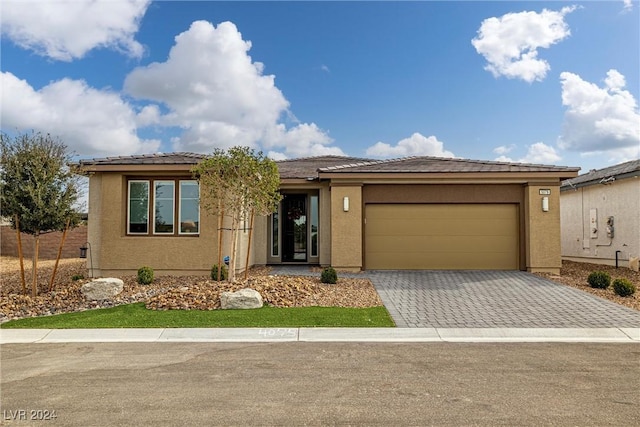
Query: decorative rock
(242, 299)
(102, 289)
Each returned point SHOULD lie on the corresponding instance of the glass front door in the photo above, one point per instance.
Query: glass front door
(294, 228)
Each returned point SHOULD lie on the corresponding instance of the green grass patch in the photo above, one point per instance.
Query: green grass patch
(137, 316)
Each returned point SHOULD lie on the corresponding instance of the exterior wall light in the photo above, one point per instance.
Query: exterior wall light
(345, 204)
(545, 204)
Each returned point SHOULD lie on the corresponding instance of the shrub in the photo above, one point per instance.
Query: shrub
(329, 275)
(599, 279)
(623, 287)
(77, 277)
(223, 272)
(145, 275)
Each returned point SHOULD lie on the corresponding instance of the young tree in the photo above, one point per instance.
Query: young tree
(237, 184)
(39, 189)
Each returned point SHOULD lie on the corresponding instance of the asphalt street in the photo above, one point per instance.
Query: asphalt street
(296, 383)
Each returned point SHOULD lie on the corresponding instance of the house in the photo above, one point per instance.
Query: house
(350, 213)
(600, 215)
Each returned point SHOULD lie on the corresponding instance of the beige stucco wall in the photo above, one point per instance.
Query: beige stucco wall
(115, 253)
(542, 230)
(324, 238)
(259, 246)
(346, 228)
(620, 199)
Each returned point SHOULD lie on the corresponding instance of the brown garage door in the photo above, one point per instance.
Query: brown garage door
(441, 237)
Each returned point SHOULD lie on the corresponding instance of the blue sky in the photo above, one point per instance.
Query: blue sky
(538, 82)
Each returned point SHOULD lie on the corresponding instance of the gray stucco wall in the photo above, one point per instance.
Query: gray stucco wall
(620, 199)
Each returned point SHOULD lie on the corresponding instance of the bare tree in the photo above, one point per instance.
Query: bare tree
(237, 184)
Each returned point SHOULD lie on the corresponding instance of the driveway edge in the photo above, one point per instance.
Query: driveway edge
(268, 335)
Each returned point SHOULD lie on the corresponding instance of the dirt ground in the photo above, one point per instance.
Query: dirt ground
(170, 292)
(197, 292)
(575, 274)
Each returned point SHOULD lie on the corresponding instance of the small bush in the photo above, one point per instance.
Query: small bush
(77, 277)
(223, 272)
(623, 287)
(599, 279)
(329, 275)
(145, 275)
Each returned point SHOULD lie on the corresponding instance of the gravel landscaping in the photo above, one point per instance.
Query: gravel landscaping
(199, 293)
(171, 292)
(575, 274)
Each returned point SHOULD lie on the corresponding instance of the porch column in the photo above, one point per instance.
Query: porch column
(542, 228)
(346, 226)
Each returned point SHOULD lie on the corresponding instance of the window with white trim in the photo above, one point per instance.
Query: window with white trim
(170, 199)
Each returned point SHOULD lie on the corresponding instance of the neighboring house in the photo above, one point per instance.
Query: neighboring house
(600, 215)
(350, 213)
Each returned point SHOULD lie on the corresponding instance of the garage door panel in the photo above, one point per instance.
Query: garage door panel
(493, 227)
(444, 261)
(431, 244)
(427, 236)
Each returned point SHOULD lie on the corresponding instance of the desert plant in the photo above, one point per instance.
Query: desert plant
(329, 275)
(599, 279)
(145, 275)
(77, 277)
(623, 287)
(224, 272)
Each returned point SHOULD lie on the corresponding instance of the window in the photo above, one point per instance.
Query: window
(160, 205)
(138, 207)
(314, 225)
(163, 207)
(274, 234)
(189, 215)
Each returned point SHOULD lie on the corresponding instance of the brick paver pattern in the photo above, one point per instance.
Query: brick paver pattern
(486, 299)
(493, 299)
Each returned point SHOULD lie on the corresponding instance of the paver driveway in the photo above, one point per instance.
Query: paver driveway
(485, 299)
(493, 299)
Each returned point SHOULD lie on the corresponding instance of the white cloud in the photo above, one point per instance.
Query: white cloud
(274, 155)
(504, 149)
(600, 120)
(220, 97)
(510, 43)
(148, 115)
(87, 120)
(68, 30)
(302, 140)
(538, 152)
(628, 5)
(416, 145)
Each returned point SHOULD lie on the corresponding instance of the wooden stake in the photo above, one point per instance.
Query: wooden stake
(20, 255)
(55, 267)
(220, 223)
(246, 264)
(234, 242)
(34, 282)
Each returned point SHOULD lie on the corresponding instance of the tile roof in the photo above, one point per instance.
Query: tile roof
(310, 167)
(597, 176)
(181, 158)
(425, 164)
(307, 167)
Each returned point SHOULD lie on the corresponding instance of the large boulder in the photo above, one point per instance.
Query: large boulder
(102, 289)
(242, 299)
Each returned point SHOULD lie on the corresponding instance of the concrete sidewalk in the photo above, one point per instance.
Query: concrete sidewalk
(470, 335)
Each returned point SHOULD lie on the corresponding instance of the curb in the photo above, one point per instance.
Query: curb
(258, 335)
